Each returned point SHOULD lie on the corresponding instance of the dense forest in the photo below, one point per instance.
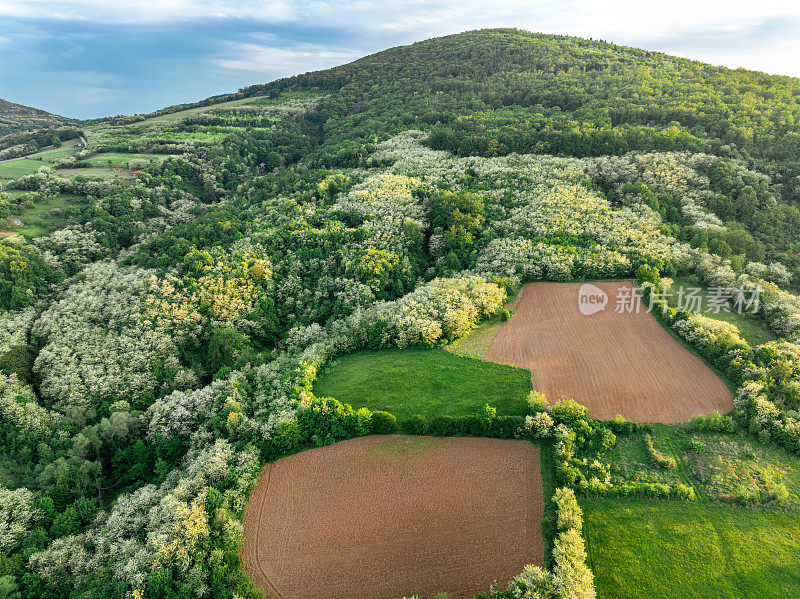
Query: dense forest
(159, 344)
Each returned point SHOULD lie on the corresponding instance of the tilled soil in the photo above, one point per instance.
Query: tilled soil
(389, 516)
(613, 363)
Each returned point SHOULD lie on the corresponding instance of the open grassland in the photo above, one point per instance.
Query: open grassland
(391, 516)
(176, 117)
(228, 117)
(752, 327)
(50, 214)
(612, 363)
(45, 216)
(739, 539)
(51, 154)
(428, 382)
(94, 172)
(646, 549)
(19, 167)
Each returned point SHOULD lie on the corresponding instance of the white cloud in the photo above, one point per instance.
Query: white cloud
(278, 60)
(147, 11)
(609, 16)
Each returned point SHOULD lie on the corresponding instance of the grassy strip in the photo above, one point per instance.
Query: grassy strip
(547, 464)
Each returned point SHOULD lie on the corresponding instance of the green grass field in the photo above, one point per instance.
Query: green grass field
(45, 216)
(754, 330)
(648, 549)
(428, 382)
(19, 167)
(712, 547)
(727, 468)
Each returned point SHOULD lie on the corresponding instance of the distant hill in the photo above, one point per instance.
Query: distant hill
(17, 117)
(498, 91)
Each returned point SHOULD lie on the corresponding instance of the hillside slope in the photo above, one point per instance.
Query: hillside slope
(493, 92)
(17, 117)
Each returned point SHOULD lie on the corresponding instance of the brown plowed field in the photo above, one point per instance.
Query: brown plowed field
(386, 516)
(612, 363)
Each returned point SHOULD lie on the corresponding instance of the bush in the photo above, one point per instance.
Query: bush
(505, 427)
(620, 426)
(713, 423)
(443, 426)
(505, 315)
(568, 411)
(416, 425)
(383, 423)
(537, 402)
(684, 492)
(473, 426)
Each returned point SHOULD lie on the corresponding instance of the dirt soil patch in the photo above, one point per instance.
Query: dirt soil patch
(613, 363)
(388, 516)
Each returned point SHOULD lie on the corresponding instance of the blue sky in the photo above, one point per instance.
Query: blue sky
(90, 58)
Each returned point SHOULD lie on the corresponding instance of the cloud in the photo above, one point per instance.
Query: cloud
(260, 58)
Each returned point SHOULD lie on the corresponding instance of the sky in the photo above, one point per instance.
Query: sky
(92, 58)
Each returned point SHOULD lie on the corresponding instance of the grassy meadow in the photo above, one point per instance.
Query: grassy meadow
(19, 167)
(648, 549)
(428, 382)
(45, 216)
(737, 540)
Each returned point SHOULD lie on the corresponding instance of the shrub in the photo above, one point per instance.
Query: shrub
(383, 423)
(684, 492)
(713, 423)
(537, 402)
(620, 426)
(442, 426)
(287, 436)
(416, 425)
(505, 315)
(568, 411)
(697, 446)
(570, 514)
(539, 426)
(505, 427)
(473, 425)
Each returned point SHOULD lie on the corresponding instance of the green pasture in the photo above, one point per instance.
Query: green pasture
(428, 382)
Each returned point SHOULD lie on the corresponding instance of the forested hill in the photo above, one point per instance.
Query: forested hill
(16, 117)
(492, 92)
